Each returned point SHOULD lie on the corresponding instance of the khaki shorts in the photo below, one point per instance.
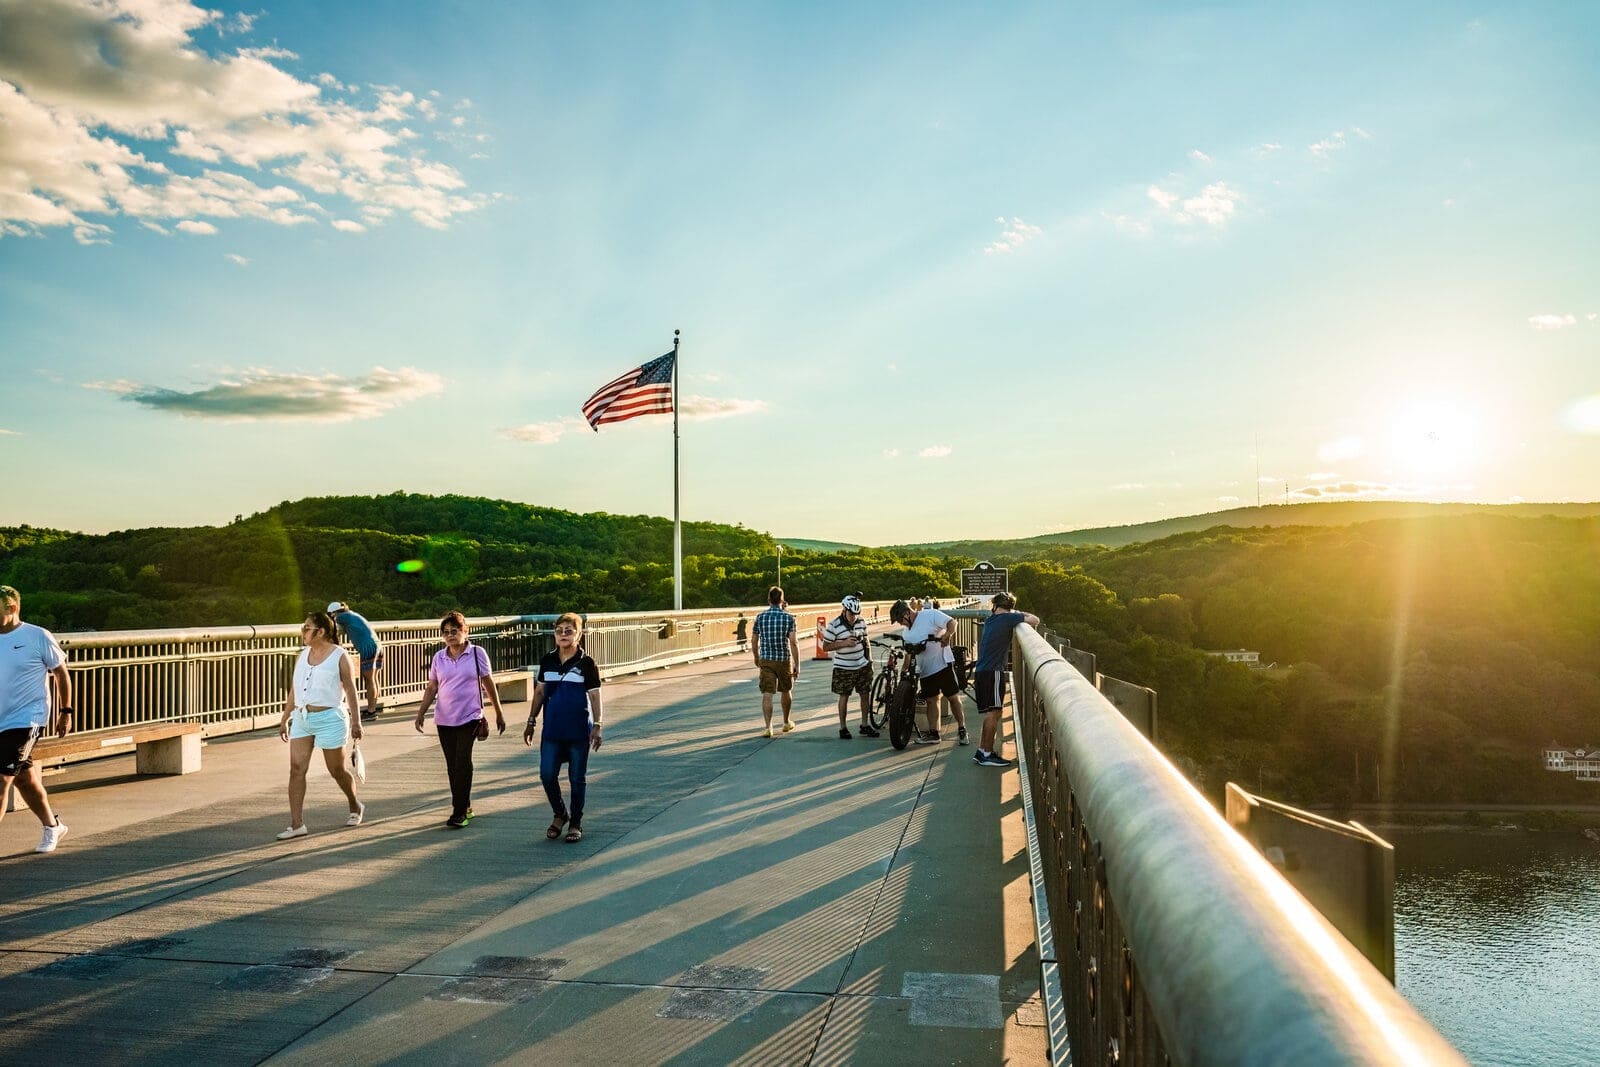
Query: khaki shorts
(846, 681)
(775, 676)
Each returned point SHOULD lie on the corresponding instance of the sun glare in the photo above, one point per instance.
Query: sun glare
(1435, 437)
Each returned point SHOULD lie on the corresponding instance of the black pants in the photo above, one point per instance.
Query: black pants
(457, 742)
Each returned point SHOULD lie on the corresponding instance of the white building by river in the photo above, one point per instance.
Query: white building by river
(1582, 763)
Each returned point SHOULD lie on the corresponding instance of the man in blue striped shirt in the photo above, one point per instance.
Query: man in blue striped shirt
(772, 628)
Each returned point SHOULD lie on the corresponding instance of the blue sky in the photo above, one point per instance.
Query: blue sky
(941, 271)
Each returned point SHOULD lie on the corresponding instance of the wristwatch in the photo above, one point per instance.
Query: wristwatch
(64, 711)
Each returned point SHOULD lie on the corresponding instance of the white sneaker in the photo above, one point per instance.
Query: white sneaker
(356, 816)
(293, 831)
(52, 836)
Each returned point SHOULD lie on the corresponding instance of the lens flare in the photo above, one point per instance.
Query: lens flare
(409, 566)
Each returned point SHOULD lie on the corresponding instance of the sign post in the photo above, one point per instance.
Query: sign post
(985, 580)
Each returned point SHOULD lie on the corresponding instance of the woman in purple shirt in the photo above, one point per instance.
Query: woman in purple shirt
(459, 677)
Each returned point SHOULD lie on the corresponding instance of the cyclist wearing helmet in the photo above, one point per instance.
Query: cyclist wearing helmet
(845, 640)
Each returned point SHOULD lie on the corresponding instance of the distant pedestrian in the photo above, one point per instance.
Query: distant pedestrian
(777, 656)
(30, 662)
(993, 646)
(932, 629)
(568, 692)
(845, 640)
(367, 646)
(316, 714)
(460, 677)
(741, 632)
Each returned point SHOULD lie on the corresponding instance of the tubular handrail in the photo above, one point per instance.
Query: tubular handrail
(1234, 965)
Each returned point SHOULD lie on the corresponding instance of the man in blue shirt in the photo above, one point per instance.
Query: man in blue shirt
(359, 633)
(775, 629)
(30, 662)
(993, 646)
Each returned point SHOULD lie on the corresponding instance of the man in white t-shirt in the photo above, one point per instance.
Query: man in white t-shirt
(30, 660)
(933, 629)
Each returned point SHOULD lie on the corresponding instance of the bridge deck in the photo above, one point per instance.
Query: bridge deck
(799, 900)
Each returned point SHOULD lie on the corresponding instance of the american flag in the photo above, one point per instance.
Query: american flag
(645, 390)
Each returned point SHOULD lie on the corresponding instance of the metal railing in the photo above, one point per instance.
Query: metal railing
(233, 678)
(1174, 939)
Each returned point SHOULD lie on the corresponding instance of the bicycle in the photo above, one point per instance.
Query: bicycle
(883, 685)
(894, 692)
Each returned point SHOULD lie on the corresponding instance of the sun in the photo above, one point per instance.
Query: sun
(1435, 437)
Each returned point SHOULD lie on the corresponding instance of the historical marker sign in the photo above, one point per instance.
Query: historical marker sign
(984, 580)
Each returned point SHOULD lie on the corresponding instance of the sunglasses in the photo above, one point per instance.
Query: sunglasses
(565, 631)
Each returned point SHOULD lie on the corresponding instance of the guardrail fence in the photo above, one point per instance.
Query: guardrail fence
(234, 678)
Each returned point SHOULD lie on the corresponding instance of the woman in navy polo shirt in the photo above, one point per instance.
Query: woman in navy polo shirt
(568, 691)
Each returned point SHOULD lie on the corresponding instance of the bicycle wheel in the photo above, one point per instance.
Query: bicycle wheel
(878, 704)
(903, 711)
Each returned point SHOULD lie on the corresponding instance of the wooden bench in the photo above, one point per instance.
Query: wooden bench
(160, 747)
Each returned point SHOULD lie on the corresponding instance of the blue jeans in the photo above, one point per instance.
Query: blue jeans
(575, 754)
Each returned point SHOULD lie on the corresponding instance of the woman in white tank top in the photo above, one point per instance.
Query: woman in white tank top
(316, 714)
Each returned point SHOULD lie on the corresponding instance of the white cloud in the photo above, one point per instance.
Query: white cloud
(1214, 204)
(205, 229)
(935, 452)
(891, 453)
(1267, 148)
(234, 257)
(1014, 234)
(1551, 322)
(1126, 487)
(1199, 156)
(1164, 200)
(348, 226)
(1340, 449)
(1322, 476)
(710, 407)
(89, 89)
(545, 433)
(1324, 148)
(1583, 416)
(263, 395)
(9, 433)
(1227, 500)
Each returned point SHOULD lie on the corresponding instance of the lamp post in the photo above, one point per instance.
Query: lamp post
(780, 564)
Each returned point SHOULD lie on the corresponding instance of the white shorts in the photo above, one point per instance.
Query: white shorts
(331, 727)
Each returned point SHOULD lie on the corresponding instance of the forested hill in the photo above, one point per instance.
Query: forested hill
(410, 556)
(1310, 513)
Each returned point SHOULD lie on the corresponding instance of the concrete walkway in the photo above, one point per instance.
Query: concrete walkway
(735, 900)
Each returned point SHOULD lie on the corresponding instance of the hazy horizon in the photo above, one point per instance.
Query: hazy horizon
(1102, 267)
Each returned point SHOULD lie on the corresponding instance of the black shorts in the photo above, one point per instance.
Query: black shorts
(942, 682)
(16, 749)
(990, 687)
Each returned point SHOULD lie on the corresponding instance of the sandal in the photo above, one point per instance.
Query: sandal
(574, 834)
(556, 826)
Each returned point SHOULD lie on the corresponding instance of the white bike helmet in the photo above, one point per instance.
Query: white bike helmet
(851, 604)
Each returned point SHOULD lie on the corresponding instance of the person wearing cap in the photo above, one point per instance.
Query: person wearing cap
(990, 685)
(30, 663)
(779, 665)
(358, 631)
(845, 640)
(932, 629)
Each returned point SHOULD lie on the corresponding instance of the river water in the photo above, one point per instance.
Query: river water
(1497, 942)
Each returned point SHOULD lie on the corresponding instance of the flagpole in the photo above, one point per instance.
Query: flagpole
(677, 522)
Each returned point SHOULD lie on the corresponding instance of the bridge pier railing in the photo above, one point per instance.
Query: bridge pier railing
(1175, 941)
